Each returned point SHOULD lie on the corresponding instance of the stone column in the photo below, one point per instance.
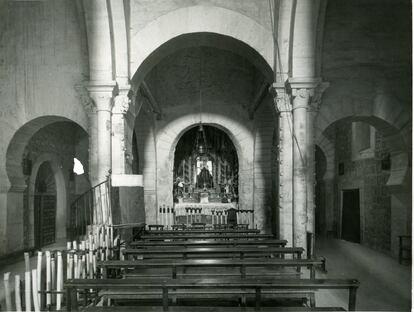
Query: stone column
(312, 111)
(285, 204)
(302, 92)
(119, 111)
(101, 94)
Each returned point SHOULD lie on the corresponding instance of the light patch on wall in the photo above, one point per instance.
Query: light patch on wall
(77, 167)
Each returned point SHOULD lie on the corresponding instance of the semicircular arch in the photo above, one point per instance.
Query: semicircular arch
(196, 20)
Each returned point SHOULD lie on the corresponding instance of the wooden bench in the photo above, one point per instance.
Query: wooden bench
(174, 264)
(211, 252)
(210, 309)
(209, 243)
(161, 237)
(187, 231)
(173, 287)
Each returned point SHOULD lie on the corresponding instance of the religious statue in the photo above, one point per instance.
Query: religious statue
(204, 178)
(178, 188)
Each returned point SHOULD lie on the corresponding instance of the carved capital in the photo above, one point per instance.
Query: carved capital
(122, 101)
(307, 92)
(281, 98)
(317, 96)
(101, 94)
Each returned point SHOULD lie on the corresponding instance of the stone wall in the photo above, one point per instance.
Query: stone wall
(145, 11)
(43, 55)
(57, 144)
(366, 175)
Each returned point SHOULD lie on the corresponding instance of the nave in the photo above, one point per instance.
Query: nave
(381, 287)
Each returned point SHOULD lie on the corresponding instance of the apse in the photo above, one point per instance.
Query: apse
(205, 167)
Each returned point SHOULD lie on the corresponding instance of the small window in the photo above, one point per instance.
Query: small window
(77, 167)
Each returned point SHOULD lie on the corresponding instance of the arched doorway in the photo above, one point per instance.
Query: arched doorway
(45, 203)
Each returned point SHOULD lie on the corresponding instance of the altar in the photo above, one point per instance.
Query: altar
(205, 183)
(208, 213)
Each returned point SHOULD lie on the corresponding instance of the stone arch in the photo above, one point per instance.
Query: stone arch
(197, 19)
(17, 144)
(61, 192)
(169, 136)
(400, 170)
(381, 110)
(328, 150)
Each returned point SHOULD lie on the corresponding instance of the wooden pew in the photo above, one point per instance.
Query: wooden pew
(216, 231)
(176, 287)
(211, 309)
(209, 243)
(211, 252)
(242, 264)
(161, 237)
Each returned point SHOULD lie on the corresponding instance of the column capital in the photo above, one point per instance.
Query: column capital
(310, 90)
(316, 100)
(101, 92)
(122, 101)
(281, 98)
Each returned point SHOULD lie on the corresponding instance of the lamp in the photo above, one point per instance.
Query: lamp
(201, 145)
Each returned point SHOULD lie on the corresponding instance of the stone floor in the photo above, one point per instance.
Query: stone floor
(385, 284)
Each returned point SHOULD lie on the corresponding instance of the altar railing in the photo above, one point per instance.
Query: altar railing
(210, 214)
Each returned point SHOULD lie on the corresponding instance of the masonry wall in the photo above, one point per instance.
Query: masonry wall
(59, 142)
(43, 55)
(145, 11)
(367, 176)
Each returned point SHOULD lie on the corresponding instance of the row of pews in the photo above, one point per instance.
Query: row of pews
(182, 270)
(211, 270)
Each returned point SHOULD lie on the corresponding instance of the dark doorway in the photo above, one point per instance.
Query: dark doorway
(45, 207)
(351, 226)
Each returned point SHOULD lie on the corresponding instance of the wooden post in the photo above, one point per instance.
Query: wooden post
(7, 291)
(48, 279)
(53, 275)
(69, 266)
(17, 297)
(59, 283)
(90, 261)
(35, 291)
(258, 298)
(39, 276)
(27, 285)
(165, 298)
(352, 298)
(75, 266)
(164, 211)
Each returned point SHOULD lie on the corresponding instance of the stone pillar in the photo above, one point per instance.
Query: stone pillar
(300, 102)
(119, 111)
(285, 205)
(303, 184)
(101, 94)
(312, 111)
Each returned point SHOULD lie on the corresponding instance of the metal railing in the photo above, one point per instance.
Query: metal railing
(92, 208)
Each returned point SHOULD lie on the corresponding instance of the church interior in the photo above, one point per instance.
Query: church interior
(205, 155)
